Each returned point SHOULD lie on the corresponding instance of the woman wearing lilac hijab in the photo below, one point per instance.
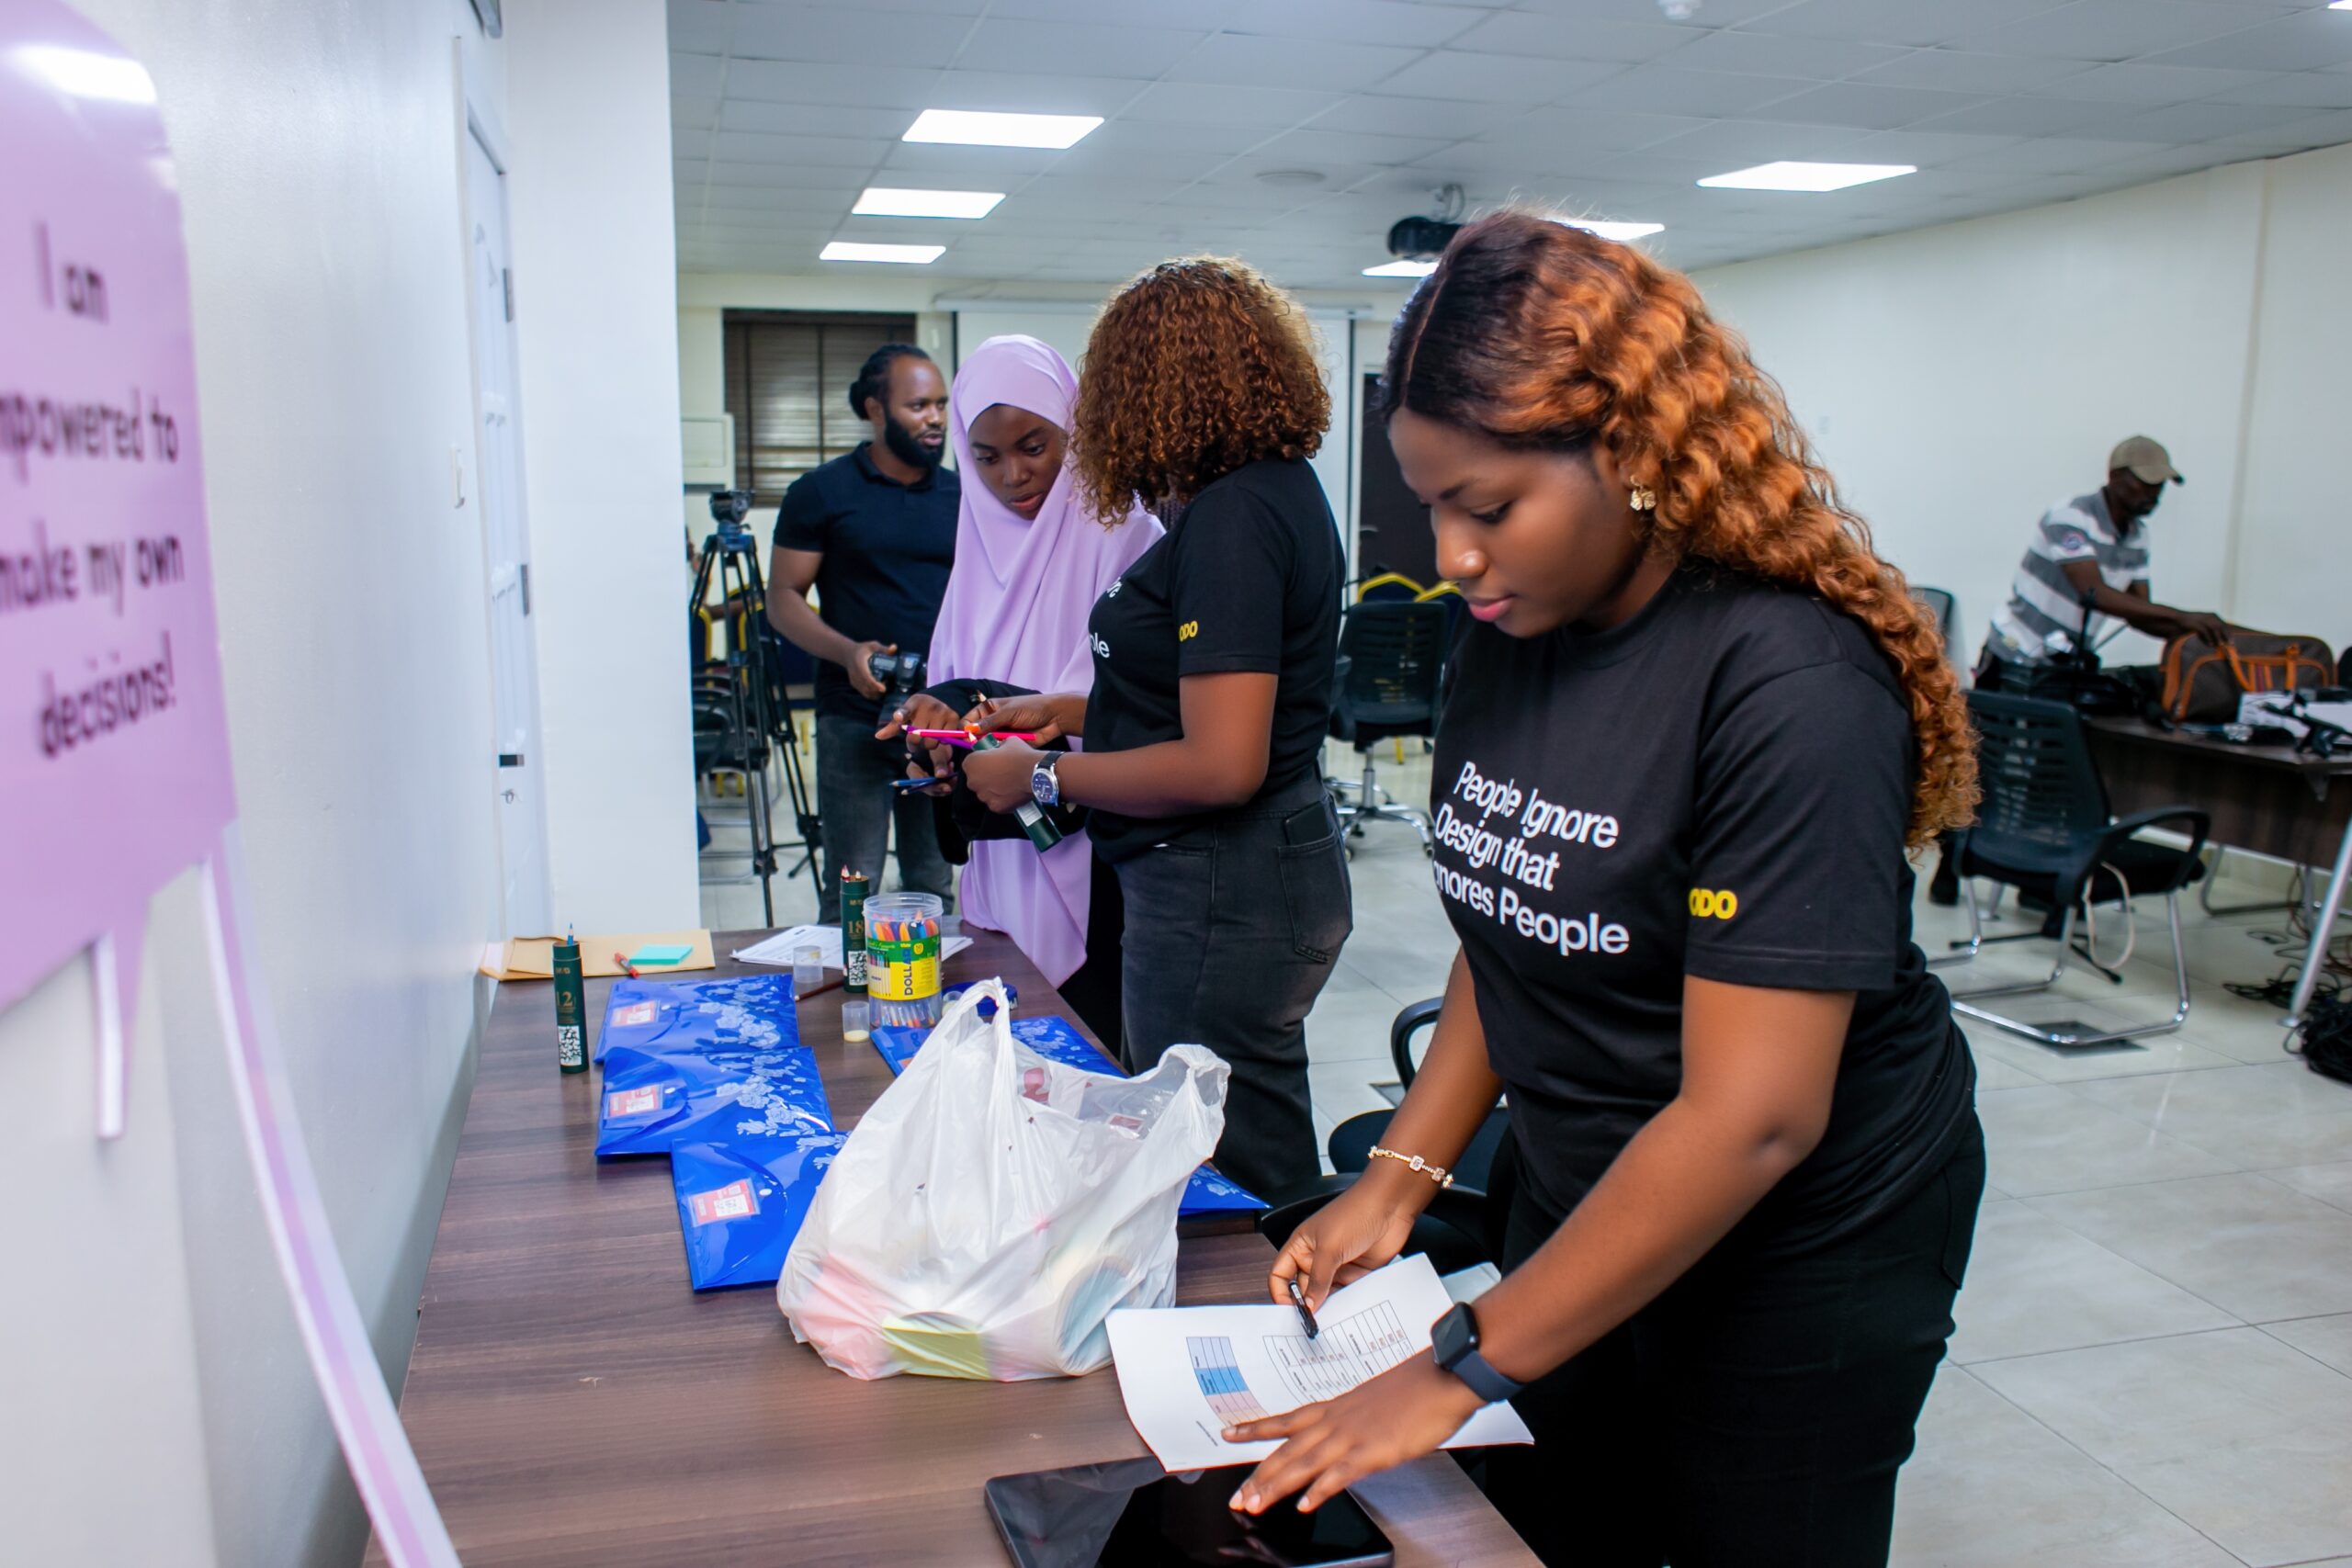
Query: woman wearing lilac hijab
(1030, 560)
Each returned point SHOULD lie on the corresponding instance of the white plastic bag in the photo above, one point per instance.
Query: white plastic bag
(994, 1207)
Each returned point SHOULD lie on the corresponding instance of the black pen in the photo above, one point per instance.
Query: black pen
(1298, 1300)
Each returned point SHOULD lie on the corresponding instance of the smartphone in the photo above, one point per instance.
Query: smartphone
(1131, 1514)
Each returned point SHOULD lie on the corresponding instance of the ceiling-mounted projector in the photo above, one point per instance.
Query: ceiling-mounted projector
(1420, 239)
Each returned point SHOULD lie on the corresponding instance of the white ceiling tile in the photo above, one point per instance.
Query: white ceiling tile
(1313, 146)
(2139, 83)
(1923, 149)
(2049, 155)
(2116, 30)
(1957, 70)
(1710, 14)
(1776, 54)
(1739, 144)
(694, 114)
(1661, 89)
(812, 120)
(785, 82)
(698, 26)
(2312, 89)
(1497, 78)
(1215, 104)
(1865, 106)
(837, 152)
(1032, 93)
(1176, 159)
(1204, 15)
(1574, 38)
(1362, 21)
(1153, 136)
(2205, 122)
(2300, 42)
(1074, 48)
(983, 168)
(696, 75)
(1240, 60)
(1413, 117)
(1916, 22)
(2027, 117)
(1620, 130)
(840, 36)
(796, 177)
(911, 8)
(2328, 129)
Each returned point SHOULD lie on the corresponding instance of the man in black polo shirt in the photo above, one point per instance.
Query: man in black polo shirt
(875, 533)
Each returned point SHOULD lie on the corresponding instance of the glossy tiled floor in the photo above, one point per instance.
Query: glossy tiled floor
(2154, 1364)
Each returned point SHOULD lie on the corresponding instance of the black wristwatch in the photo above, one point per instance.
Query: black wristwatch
(1454, 1343)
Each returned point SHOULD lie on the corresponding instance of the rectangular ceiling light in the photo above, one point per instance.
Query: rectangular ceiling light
(1610, 229)
(1808, 176)
(1401, 270)
(909, 255)
(973, 129)
(883, 201)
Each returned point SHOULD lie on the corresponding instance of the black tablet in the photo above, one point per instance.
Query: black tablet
(1135, 1514)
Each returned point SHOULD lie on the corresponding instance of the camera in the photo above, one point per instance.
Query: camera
(898, 674)
(729, 508)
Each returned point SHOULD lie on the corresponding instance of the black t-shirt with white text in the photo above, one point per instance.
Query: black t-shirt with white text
(887, 550)
(1720, 788)
(1246, 579)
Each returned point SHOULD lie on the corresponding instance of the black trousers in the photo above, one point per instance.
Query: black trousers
(1094, 991)
(1755, 1414)
(1232, 931)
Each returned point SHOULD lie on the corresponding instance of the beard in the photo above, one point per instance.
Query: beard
(907, 450)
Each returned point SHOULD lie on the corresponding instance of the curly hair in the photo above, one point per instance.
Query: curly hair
(1538, 335)
(1194, 369)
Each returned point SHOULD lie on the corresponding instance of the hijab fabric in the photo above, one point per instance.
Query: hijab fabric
(1016, 610)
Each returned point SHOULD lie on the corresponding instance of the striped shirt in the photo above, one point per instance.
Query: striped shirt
(2044, 612)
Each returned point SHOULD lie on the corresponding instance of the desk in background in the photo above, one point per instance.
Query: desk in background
(2262, 799)
(572, 1400)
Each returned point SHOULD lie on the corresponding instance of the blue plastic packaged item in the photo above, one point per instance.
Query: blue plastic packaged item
(741, 1203)
(988, 1006)
(1054, 1039)
(652, 1100)
(741, 1011)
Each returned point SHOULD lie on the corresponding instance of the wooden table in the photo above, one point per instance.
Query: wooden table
(2267, 799)
(572, 1400)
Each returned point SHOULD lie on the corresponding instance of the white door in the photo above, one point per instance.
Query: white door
(521, 800)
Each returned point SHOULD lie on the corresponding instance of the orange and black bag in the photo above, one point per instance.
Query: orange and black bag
(2203, 680)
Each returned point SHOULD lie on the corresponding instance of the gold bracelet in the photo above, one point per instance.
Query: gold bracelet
(1436, 1173)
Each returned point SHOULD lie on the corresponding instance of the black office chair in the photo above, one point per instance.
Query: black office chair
(1463, 1224)
(2045, 829)
(1946, 609)
(1396, 653)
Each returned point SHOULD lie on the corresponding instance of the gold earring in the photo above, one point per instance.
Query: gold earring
(1645, 499)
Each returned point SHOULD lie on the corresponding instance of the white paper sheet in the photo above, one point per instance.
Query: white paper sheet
(778, 950)
(1184, 1372)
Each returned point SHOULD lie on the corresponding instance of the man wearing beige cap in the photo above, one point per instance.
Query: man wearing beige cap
(2089, 560)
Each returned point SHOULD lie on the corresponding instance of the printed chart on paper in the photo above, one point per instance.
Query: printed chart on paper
(1186, 1373)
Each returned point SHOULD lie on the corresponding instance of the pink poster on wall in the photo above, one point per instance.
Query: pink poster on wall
(114, 747)
(114, 754)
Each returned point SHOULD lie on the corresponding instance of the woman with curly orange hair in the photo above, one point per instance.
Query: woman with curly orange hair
(1214, 657)
(1685, 747)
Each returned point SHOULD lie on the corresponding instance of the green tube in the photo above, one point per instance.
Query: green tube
(1029, 813)
(570, 1007)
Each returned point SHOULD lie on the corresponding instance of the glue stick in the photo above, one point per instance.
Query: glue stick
(570, 1007)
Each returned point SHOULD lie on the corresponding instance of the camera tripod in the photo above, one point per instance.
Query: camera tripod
(736, 721)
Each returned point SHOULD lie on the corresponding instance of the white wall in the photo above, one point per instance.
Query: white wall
(588, 93)
(316, 146)
(1960, 379)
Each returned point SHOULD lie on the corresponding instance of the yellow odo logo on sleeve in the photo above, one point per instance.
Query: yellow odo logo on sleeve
(1188, 631)
(1713, 905)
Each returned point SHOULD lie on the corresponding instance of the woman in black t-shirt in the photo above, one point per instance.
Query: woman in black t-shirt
(1685, 745)
(1214, 656)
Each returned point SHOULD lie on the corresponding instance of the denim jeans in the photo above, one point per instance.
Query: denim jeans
(1754, 1415)
(1232, 932)
(855, 804)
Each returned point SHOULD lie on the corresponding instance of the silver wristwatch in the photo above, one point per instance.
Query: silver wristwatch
(1043, 785)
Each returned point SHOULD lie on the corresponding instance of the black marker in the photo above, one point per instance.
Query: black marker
(1299, 1301)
